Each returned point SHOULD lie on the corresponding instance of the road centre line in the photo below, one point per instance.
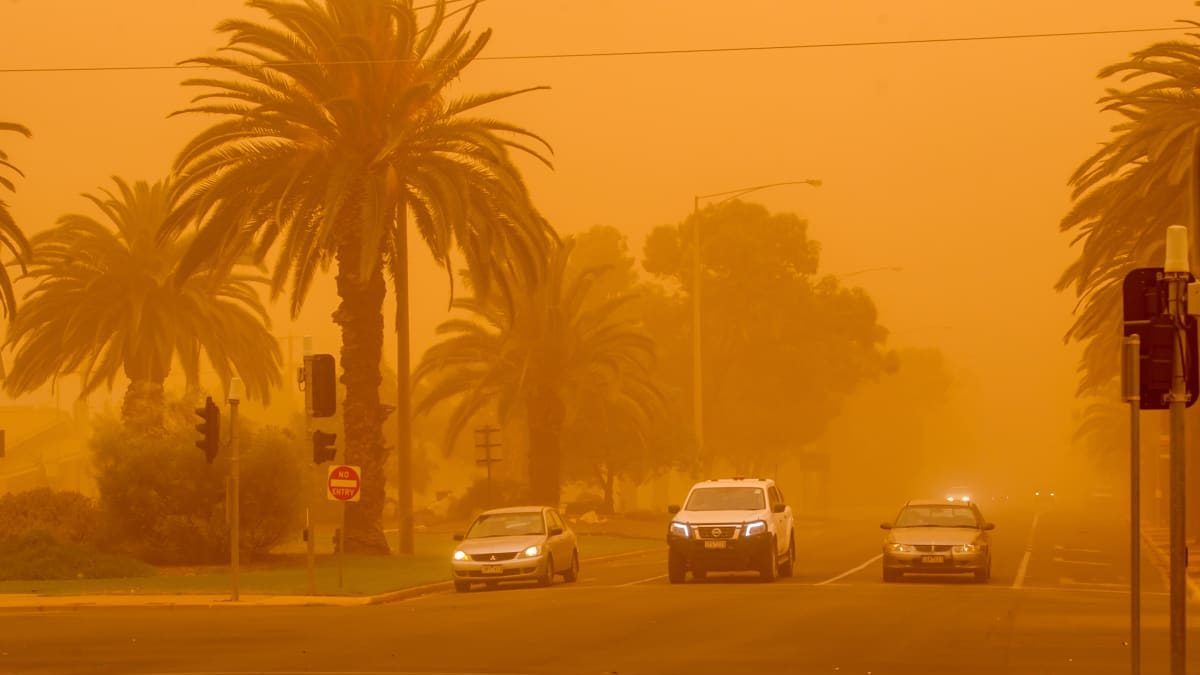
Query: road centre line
(1019, 581)
(847, 573)
(642, 581)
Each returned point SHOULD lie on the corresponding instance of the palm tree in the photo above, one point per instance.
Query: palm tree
(106, 301)
(339, 130)
(11, 236)
(1129, 191)
(548, 354)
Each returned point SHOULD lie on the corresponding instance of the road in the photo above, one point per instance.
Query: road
(1056, 604)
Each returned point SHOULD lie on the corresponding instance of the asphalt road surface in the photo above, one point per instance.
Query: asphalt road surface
(1057, 603)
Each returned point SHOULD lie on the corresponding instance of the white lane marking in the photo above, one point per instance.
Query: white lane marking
(847, 573)
(642, 581)
(1024, 566)
(1064, 561)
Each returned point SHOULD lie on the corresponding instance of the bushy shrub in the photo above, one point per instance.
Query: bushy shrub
(40, 555)
(67, 517)
(475, 499)
(167, 505)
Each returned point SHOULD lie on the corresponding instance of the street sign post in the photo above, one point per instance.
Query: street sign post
(483, 442)
(1131, 392)
(345, 486)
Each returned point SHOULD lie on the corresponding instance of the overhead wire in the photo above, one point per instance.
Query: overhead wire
(633, 52)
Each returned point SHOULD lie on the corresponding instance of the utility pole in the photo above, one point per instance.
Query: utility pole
(1131, 379)
(236, 392)
(1176, 274)
(483, 441)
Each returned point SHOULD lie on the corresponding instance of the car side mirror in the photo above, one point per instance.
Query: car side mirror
(989, 526)
(885, 526)
(673, 509)
(779, 508)
(555, 531)
(458, 537)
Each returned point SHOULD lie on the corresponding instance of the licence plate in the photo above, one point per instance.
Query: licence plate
(933, 558)
(493, 569)
(714, 544)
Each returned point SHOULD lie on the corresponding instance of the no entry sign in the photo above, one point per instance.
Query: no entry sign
(344, 483)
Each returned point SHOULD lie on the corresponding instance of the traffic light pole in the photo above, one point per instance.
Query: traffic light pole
(1178, 494)
(310, 534)
(1132, 384)
(235, 394)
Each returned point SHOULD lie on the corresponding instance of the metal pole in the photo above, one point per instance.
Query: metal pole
(1177, 283)
(341, 556)
(235, 515)
(697, 374)
(1132, 382)
(311, 549)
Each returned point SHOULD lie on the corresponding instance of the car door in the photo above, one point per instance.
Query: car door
(558, 544)
(780, 520)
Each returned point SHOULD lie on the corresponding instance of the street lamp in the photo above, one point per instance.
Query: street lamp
(697, 386)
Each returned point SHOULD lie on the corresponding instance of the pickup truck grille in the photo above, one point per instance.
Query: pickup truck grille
(716, 531)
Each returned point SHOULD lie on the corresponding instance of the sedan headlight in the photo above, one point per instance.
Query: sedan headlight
(531, 552)
(966, 548)
(459, 555)
(680, 529)
(757, 527)
(902, 548)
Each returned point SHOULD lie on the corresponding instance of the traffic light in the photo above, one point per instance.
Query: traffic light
(323, 447)
(320, 385)
(1145, 314)
(209, 428)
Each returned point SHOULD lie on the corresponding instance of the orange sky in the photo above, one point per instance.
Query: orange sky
(947, 160)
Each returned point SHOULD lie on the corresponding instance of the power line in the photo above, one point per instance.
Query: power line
(629, 53)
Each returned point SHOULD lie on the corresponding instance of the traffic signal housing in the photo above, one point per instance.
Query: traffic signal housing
(320, 385)
(1145, 312)
(324, 449)
(209, 428)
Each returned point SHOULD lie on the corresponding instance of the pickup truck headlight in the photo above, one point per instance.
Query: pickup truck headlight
(679, 529)
(902, 548)
(756, 527)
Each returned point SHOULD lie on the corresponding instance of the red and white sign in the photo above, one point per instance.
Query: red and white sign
(345, 483)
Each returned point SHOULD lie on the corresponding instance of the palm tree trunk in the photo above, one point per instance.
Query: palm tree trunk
(609, 497)
(404, 478)
(360, 317)
(545, 419)
(143, 405)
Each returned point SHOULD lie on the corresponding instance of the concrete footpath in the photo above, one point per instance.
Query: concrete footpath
(26, 601)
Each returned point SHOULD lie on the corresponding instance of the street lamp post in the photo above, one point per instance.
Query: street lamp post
(697, 382)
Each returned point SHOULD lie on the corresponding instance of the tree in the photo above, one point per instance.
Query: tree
(106, 300)
(544, 353)
(338, 130)
(1128, 192)
(782, 347)
(609, 438)
(11, 237)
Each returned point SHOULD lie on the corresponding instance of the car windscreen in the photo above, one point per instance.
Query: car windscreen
(507, 525)
(937, 516)
(726, 499)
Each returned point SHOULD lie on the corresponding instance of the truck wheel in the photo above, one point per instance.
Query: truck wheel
(676, 568)
(787, 568)
(769, 567)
